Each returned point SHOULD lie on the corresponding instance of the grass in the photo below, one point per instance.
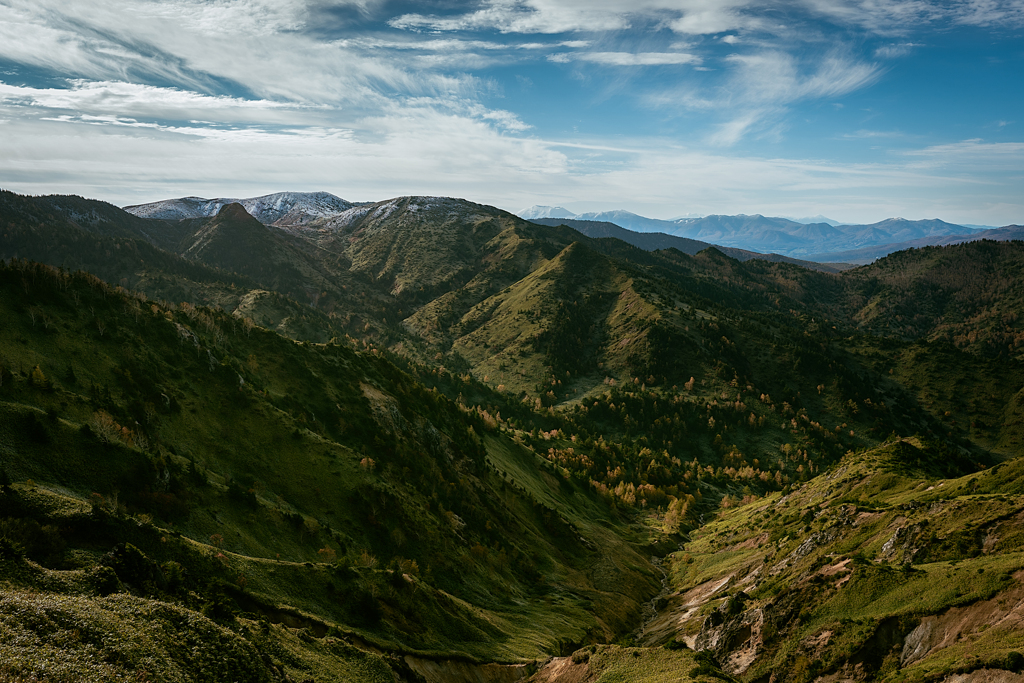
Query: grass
(615, 664)
(291, 486)
(825, 569)
(239, 455)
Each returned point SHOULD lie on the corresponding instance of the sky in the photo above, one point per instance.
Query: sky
(858, 110)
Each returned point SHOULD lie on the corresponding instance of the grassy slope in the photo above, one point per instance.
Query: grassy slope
(249, 459)
(835, 575)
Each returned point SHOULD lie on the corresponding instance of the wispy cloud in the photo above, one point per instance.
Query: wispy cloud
(763, 85)
(133, 99)
(730, 132)
(627, 58)
(886, 17)
(870, 134)
(776, 77)
(895, 50)
(521, 16)
(247, 46)
(970, 155)
(895, 17)
(702, 17)
(1007, 13)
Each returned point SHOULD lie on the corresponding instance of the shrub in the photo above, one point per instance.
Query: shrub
(132, 566)
(364, 609)
(43, 544)
(10, 549)
(174, 576)
(104, 580)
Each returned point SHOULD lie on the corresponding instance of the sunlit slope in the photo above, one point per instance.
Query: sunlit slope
(970, 295)
(876, 570)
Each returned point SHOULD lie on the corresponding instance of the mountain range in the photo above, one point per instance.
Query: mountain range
(823, 241)
(427, 440)
(653, 241)
(809, 240)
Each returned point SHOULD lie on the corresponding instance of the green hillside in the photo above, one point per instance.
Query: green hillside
(428, 441)
(881, 569)
(271, 477)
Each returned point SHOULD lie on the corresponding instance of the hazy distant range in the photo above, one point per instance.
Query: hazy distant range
(814, 239)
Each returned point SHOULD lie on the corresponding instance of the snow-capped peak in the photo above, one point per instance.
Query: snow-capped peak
(545, 212)
(280, 208)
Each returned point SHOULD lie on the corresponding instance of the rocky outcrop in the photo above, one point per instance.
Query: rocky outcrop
(1005, 612)
(733, 634)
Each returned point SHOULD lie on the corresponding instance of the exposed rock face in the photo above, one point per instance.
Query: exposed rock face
(732, 634)
(1005, 611)
(672, 617)
(563, 670)
(900, 548)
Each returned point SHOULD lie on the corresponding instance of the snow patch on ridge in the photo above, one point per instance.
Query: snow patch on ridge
(281, 208)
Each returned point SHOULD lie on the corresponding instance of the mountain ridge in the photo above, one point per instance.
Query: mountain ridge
(279, 208)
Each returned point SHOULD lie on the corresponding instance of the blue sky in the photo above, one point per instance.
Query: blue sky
(857, 109)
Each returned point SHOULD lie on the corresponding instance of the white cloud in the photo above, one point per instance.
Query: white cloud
(519, 16)
(708, 17)
(775, 77)
(887, 17)
(406, 149)
(564, 16)
(971, 155)
(729, 133)
(895, 17)
(132, 99)
(1006, 13)
(869, 134)
(895, 50)
(202, 46)
(628, 58)
(702, 17)
(762, 86)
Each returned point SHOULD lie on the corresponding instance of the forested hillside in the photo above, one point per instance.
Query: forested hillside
(429, 440)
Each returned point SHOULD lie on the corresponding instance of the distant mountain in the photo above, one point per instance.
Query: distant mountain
(545, 212)
(869, 254)
(812, 239)
(632, 221)
(790, 238)
(817, 219)
(280, 209)
(653, 241)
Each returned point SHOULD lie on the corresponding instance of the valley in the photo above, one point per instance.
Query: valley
(295, 438)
